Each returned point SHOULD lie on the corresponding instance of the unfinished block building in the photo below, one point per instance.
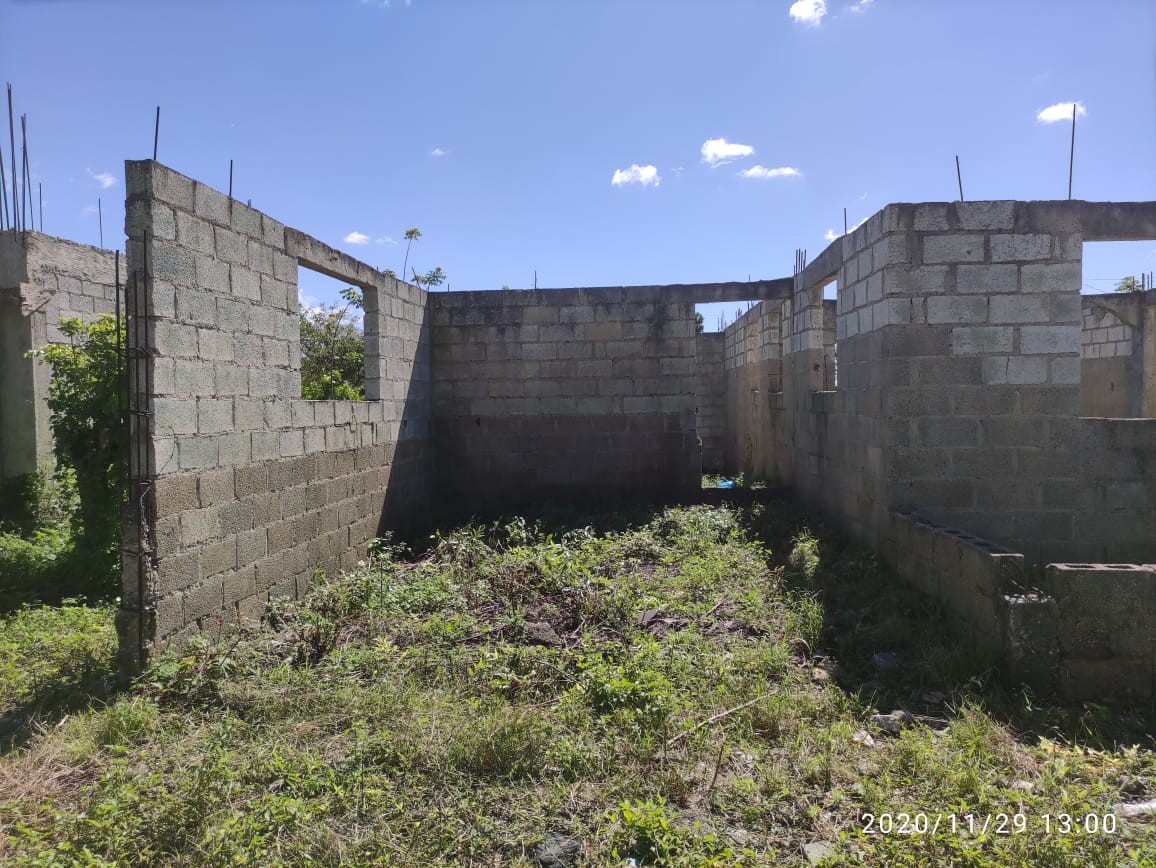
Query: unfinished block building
(959, 407)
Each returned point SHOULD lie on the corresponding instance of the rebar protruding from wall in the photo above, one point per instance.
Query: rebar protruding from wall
(12, 153)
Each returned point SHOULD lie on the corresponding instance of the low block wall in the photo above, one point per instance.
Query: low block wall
(581, 393)
(1105, 614)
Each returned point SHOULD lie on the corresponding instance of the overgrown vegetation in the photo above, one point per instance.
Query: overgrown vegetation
(59, 526)
(694, 686)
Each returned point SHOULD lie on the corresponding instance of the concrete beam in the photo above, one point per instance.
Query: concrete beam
(1096, 221)
(673, 293)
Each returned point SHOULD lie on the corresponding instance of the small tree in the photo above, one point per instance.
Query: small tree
(431, 278)
(1129, 284)
(87, 425)
(699, 323)
(411, 235)
(333, 351)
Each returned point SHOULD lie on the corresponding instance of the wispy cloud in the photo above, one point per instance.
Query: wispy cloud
(647, 176)
(105, 179)
(764, 172)
(384, 239)
(678, 170)
(831, 234)
(809, 12)
(438, 152)
(862, 5)
(356, 238)
(1061, 111)
(716, 152)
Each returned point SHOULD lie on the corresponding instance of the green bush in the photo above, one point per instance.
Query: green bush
(333, 351)
(88, 427)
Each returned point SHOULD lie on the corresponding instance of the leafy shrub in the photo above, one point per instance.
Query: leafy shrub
(333, 351)
(88, 428)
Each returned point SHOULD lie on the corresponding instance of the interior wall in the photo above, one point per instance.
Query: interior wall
(578, 393)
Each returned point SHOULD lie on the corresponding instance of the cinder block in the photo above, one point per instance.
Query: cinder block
(196, 453)
(1014, 370)
(194, 233)
(952, 248)
(1019, 309)
(1060, 277)
(1050, 339)
(1019, 248)
(215, 487)
(948, 309)
(211, 205)
(975, 340)
(986, 215)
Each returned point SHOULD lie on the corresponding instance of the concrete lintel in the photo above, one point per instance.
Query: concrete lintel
(825, 267)
(320, 257)
(1095, 221)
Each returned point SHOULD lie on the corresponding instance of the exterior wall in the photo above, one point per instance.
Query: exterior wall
(958, 329)
(581, 393)
(243, 488)
(42, 280)
(710, 398)
(1112, 354)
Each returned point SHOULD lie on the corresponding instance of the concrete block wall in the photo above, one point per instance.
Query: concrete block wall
(42, 280)
(958, 332)
(710, 398)
(1115, 369)
(563, 393)
(753, 366)
(247, 487)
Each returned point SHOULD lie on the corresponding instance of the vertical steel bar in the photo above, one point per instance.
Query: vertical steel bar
(1072, 153)
(156, 133)
(959, 177)
(12, 149)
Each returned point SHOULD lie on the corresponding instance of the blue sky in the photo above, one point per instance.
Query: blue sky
(738, 131)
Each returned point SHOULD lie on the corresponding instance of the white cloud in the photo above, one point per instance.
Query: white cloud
(831, 234)
(105, 179)
(809, 12)
(384, 239)
(678, 170)
(438, 152)
(356, 238)
(862, 5)
(1061, 111)
(764, 172)
(715, 152)
(647, 176)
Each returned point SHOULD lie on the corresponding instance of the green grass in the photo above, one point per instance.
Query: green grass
(689, 687)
